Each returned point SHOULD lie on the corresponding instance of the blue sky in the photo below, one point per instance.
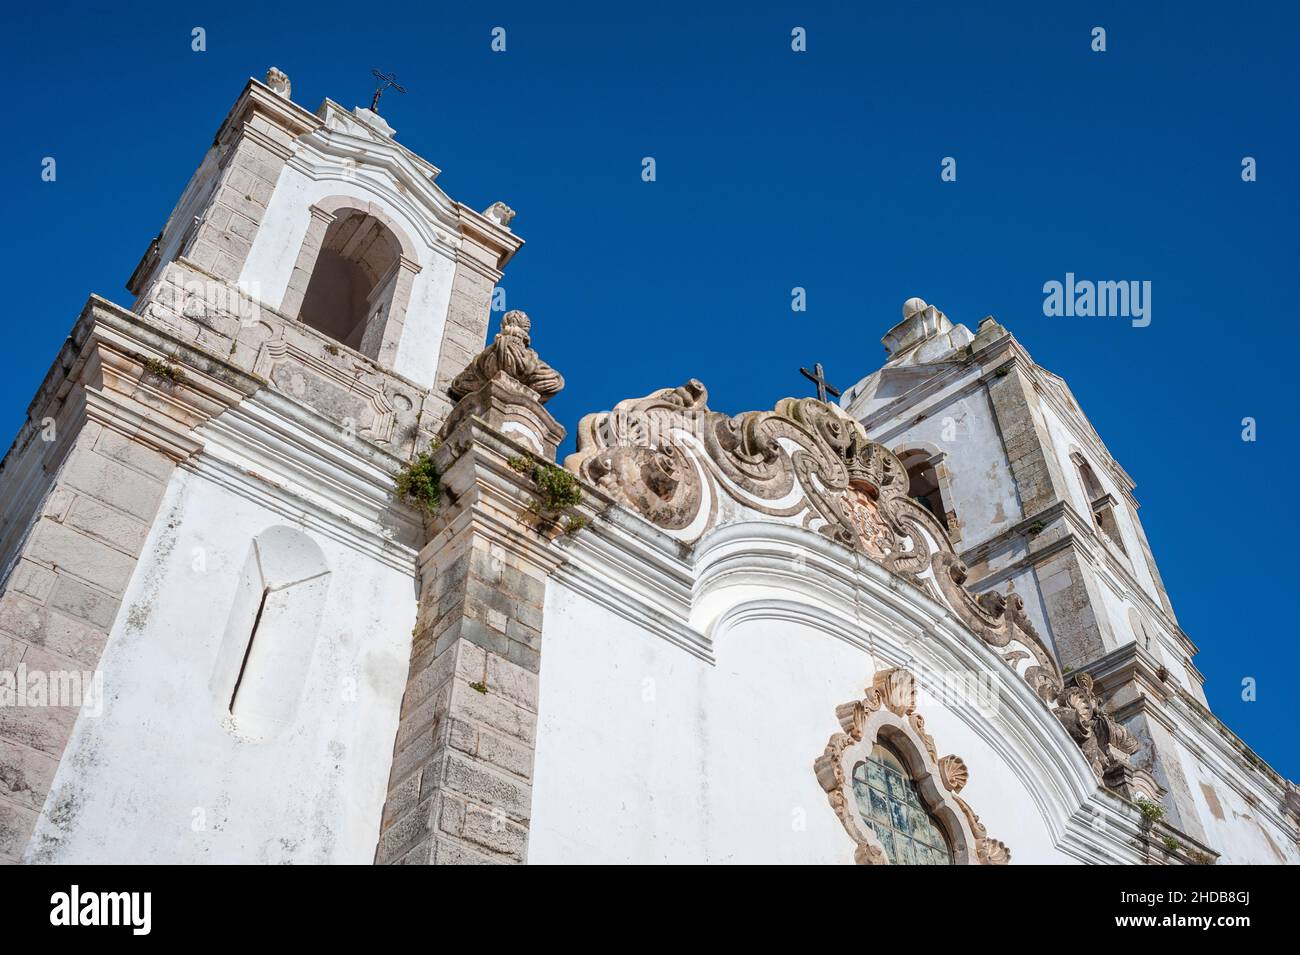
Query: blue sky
(777, 170)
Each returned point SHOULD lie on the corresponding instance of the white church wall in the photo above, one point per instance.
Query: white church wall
(982, 489)
(274, 254)
(1025, 583)
(648, 753)
(1232, 825)
(163, 774)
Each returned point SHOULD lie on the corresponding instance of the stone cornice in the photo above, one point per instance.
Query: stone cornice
(490, 235)
(329, 111)
(1229, 747)
(105, 356)
(1079, 535)
(225, 424)
(280, 454)
(331, 154)
(323, 153)
(258, 99)
(1130, 679)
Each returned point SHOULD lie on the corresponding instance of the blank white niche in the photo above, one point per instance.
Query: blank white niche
(266, 652)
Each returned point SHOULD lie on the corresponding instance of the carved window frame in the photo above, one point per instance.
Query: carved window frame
(887, 713)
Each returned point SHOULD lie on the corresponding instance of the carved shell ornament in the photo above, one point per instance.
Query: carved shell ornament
(888, 710)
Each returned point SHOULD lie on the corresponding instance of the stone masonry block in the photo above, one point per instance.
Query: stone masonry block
(473, 780)
(32, 580)
(514, 683)
(115, 528)
(25, 774)
(43, 728)
(92, 561)
(107, 481)
(494, 712)
(41, 627)
(16, 824)
(96, 607)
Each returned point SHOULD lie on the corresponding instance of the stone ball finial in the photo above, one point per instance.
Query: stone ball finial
(914, 306)
(278, 80)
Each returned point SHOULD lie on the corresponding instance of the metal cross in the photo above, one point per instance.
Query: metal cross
(819, 377)
(389, 80)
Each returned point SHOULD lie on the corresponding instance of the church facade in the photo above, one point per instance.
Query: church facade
(289, 572)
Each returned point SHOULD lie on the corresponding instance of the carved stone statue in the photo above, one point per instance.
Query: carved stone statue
(510, 354)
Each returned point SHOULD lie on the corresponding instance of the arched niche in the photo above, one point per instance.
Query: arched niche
(929, 483)
(271, 632)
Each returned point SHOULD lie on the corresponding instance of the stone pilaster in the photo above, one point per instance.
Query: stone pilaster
(1025, 438)
(1136, 688)
(460, 788)
(1071, 600)
(82, 487)
(255, 142)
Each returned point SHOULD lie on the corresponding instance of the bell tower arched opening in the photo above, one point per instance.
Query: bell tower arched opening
(350, 294)
(353, 278)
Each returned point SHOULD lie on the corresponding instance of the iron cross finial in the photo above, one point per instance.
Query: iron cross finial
(389, 80)
(819, 378)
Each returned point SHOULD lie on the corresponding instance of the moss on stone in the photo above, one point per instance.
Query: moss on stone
(163, 370)
(420, 482)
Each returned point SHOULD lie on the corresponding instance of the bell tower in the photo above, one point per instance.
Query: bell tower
(200, 506)
(998, 448)
(325, 221)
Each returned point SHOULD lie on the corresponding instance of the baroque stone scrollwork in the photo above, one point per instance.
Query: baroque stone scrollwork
(511, 355)
(668, 457)
(1105, 743)
(505, 386)
(685, 468)
(887, 713)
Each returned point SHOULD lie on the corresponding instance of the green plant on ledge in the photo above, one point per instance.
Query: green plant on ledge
(419, 482)
(1151, 811)
(557, 490)
(1171, 844)
(163, 370)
